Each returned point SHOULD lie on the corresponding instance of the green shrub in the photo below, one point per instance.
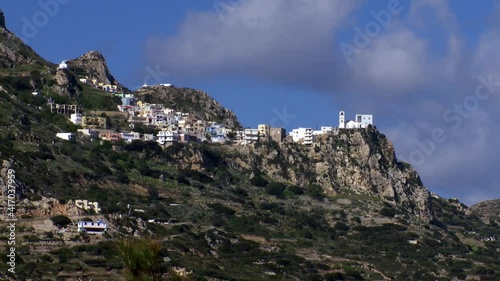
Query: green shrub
(197, 176)
(259, 181)
(221, 209)
(341, 226)
(388, 212)
(276, 189)
(295, 190)
(60, 221)
(335, 276)
(316, 192)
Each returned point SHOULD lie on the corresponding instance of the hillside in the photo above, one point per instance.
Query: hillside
(14, 53)
(344, 208)
(489, 211)
(93, 65)
(193, 101)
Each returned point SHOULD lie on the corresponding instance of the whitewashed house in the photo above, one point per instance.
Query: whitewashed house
(129, 137)
(63, 65)
(76, 118)
(251, 135)
(304, 135)
(324, 130)
(148, 137)
(352, 125)
(167, 137)
(91, 227)
(361, 121)
(66, 136)
(364, 120)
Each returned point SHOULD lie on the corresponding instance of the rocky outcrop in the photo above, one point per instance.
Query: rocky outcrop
(48, 207)
(196, 102)
(14, 183)
(93, 65)
(66, 83)
(2, 20)
(488, 211)
(360, 161)
(14, 52)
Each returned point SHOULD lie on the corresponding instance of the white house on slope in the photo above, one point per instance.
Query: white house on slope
(361, 121)
(304, 135)
(98, 227)
(251, 135)
(167, 137)
(63, 65)
(130, 137)
(66, 136)
(76, 118)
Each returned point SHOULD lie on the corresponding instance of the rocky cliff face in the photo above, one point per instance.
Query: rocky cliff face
(488, 211)
(67, 85)
(4, 182)
(360, 161)
(94, 65)
(14, 52)
(196, 102)
(2, 19)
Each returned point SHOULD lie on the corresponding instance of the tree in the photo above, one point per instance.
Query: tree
(231, 135)
(388, 212)
(276, 189)
(153, 193)
(259, 181)
(316, 192)
(60, 221)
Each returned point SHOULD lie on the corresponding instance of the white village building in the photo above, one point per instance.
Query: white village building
(167, 137)
(63, 65)
(76, 118)
(361, 121)
(304, 135)
(66, 136)
(251, 135)
(98, 227)
(129, 137)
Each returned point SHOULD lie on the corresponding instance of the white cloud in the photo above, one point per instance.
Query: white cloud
(395, 62)
(257, 37)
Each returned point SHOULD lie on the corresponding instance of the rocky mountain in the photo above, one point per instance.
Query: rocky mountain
(14, 53)
(2, 20)
(197, 102)
(359, 161)
(488, 211)
(93, 64)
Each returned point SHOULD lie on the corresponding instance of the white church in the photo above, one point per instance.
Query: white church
(308, 136)
(361, 121)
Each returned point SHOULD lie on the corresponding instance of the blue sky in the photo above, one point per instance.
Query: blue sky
(282, 62)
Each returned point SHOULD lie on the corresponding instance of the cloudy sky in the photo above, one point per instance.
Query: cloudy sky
(428, 70)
